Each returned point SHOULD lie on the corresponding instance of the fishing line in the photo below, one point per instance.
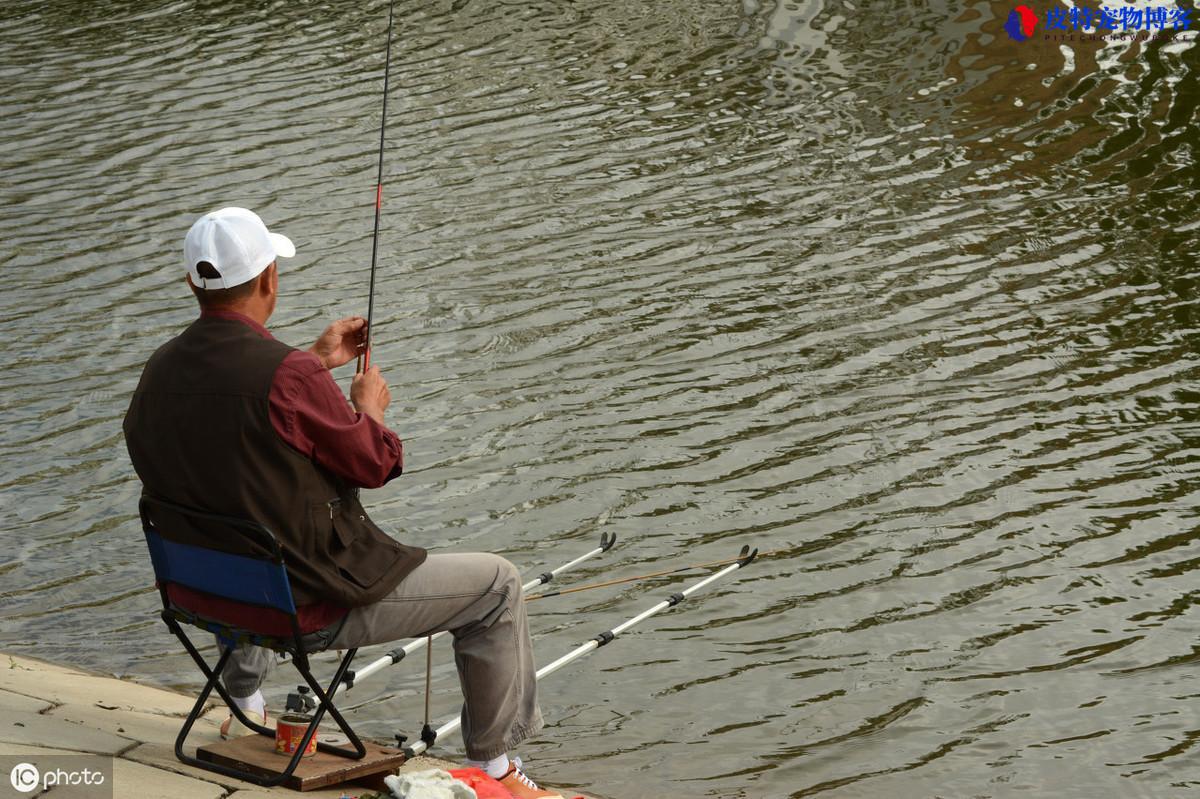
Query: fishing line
(364, 359)
(620, 580)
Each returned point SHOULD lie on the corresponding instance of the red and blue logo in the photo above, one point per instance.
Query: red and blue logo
(1020, 24)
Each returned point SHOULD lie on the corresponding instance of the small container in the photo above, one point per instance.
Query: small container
(289, 732)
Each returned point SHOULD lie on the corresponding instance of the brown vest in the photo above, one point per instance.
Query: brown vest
(199, 434)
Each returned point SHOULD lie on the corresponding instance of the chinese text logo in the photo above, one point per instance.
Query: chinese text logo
(1126, 19)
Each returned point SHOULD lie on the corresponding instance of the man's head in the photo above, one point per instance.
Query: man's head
(231, 261)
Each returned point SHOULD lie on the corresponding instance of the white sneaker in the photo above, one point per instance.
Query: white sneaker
(232, 728)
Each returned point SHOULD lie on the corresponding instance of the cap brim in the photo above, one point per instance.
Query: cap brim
(283, 245)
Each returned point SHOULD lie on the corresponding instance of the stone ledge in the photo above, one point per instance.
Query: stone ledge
(143, 727)
(35, 729)
(162, 756)
(135, 779)
(46, 709)
(14, 703)
(59, 685)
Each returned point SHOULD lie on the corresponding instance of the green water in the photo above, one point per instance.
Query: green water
(865, 283)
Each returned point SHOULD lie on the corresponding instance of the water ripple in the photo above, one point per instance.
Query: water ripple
(874, 288)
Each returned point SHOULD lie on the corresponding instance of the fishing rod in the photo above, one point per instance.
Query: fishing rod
(364, 358)
(620, 580)
(592, 645)
(353, 676)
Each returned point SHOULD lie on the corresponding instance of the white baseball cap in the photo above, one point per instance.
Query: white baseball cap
(238, 245)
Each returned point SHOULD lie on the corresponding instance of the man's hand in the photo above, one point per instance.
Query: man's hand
(341, 342)
(369, 393)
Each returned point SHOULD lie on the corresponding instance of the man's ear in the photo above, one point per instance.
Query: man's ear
(269, 281)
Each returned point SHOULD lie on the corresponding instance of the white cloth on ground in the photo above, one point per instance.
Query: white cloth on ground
(432, 784)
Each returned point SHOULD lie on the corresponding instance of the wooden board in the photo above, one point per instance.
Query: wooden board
(256, 754)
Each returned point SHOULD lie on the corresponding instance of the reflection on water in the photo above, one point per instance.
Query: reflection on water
(867, 283)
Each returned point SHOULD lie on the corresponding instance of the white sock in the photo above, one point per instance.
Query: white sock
(255, 703)
(496, 768)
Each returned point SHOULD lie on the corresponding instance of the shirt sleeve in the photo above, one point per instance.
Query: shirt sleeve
(310, 413)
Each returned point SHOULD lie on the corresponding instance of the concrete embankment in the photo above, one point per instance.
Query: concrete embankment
(46, 709)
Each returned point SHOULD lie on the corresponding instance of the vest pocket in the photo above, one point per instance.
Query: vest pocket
(345, 532)
(360, 558)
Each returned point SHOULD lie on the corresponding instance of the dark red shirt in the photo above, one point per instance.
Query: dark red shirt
(311, 415)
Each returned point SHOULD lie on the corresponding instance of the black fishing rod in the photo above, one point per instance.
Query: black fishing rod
(364, 359)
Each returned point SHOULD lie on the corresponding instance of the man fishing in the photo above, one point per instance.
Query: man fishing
(229, 420)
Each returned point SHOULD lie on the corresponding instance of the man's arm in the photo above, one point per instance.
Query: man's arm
(310, 413)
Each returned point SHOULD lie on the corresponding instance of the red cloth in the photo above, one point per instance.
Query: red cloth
(311, 415)
(265, 621)
(477, 780)
(484, 786)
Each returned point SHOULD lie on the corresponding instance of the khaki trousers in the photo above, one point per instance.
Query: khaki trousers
(477, 597)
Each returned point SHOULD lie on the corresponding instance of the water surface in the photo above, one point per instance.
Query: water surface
(867, 285)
